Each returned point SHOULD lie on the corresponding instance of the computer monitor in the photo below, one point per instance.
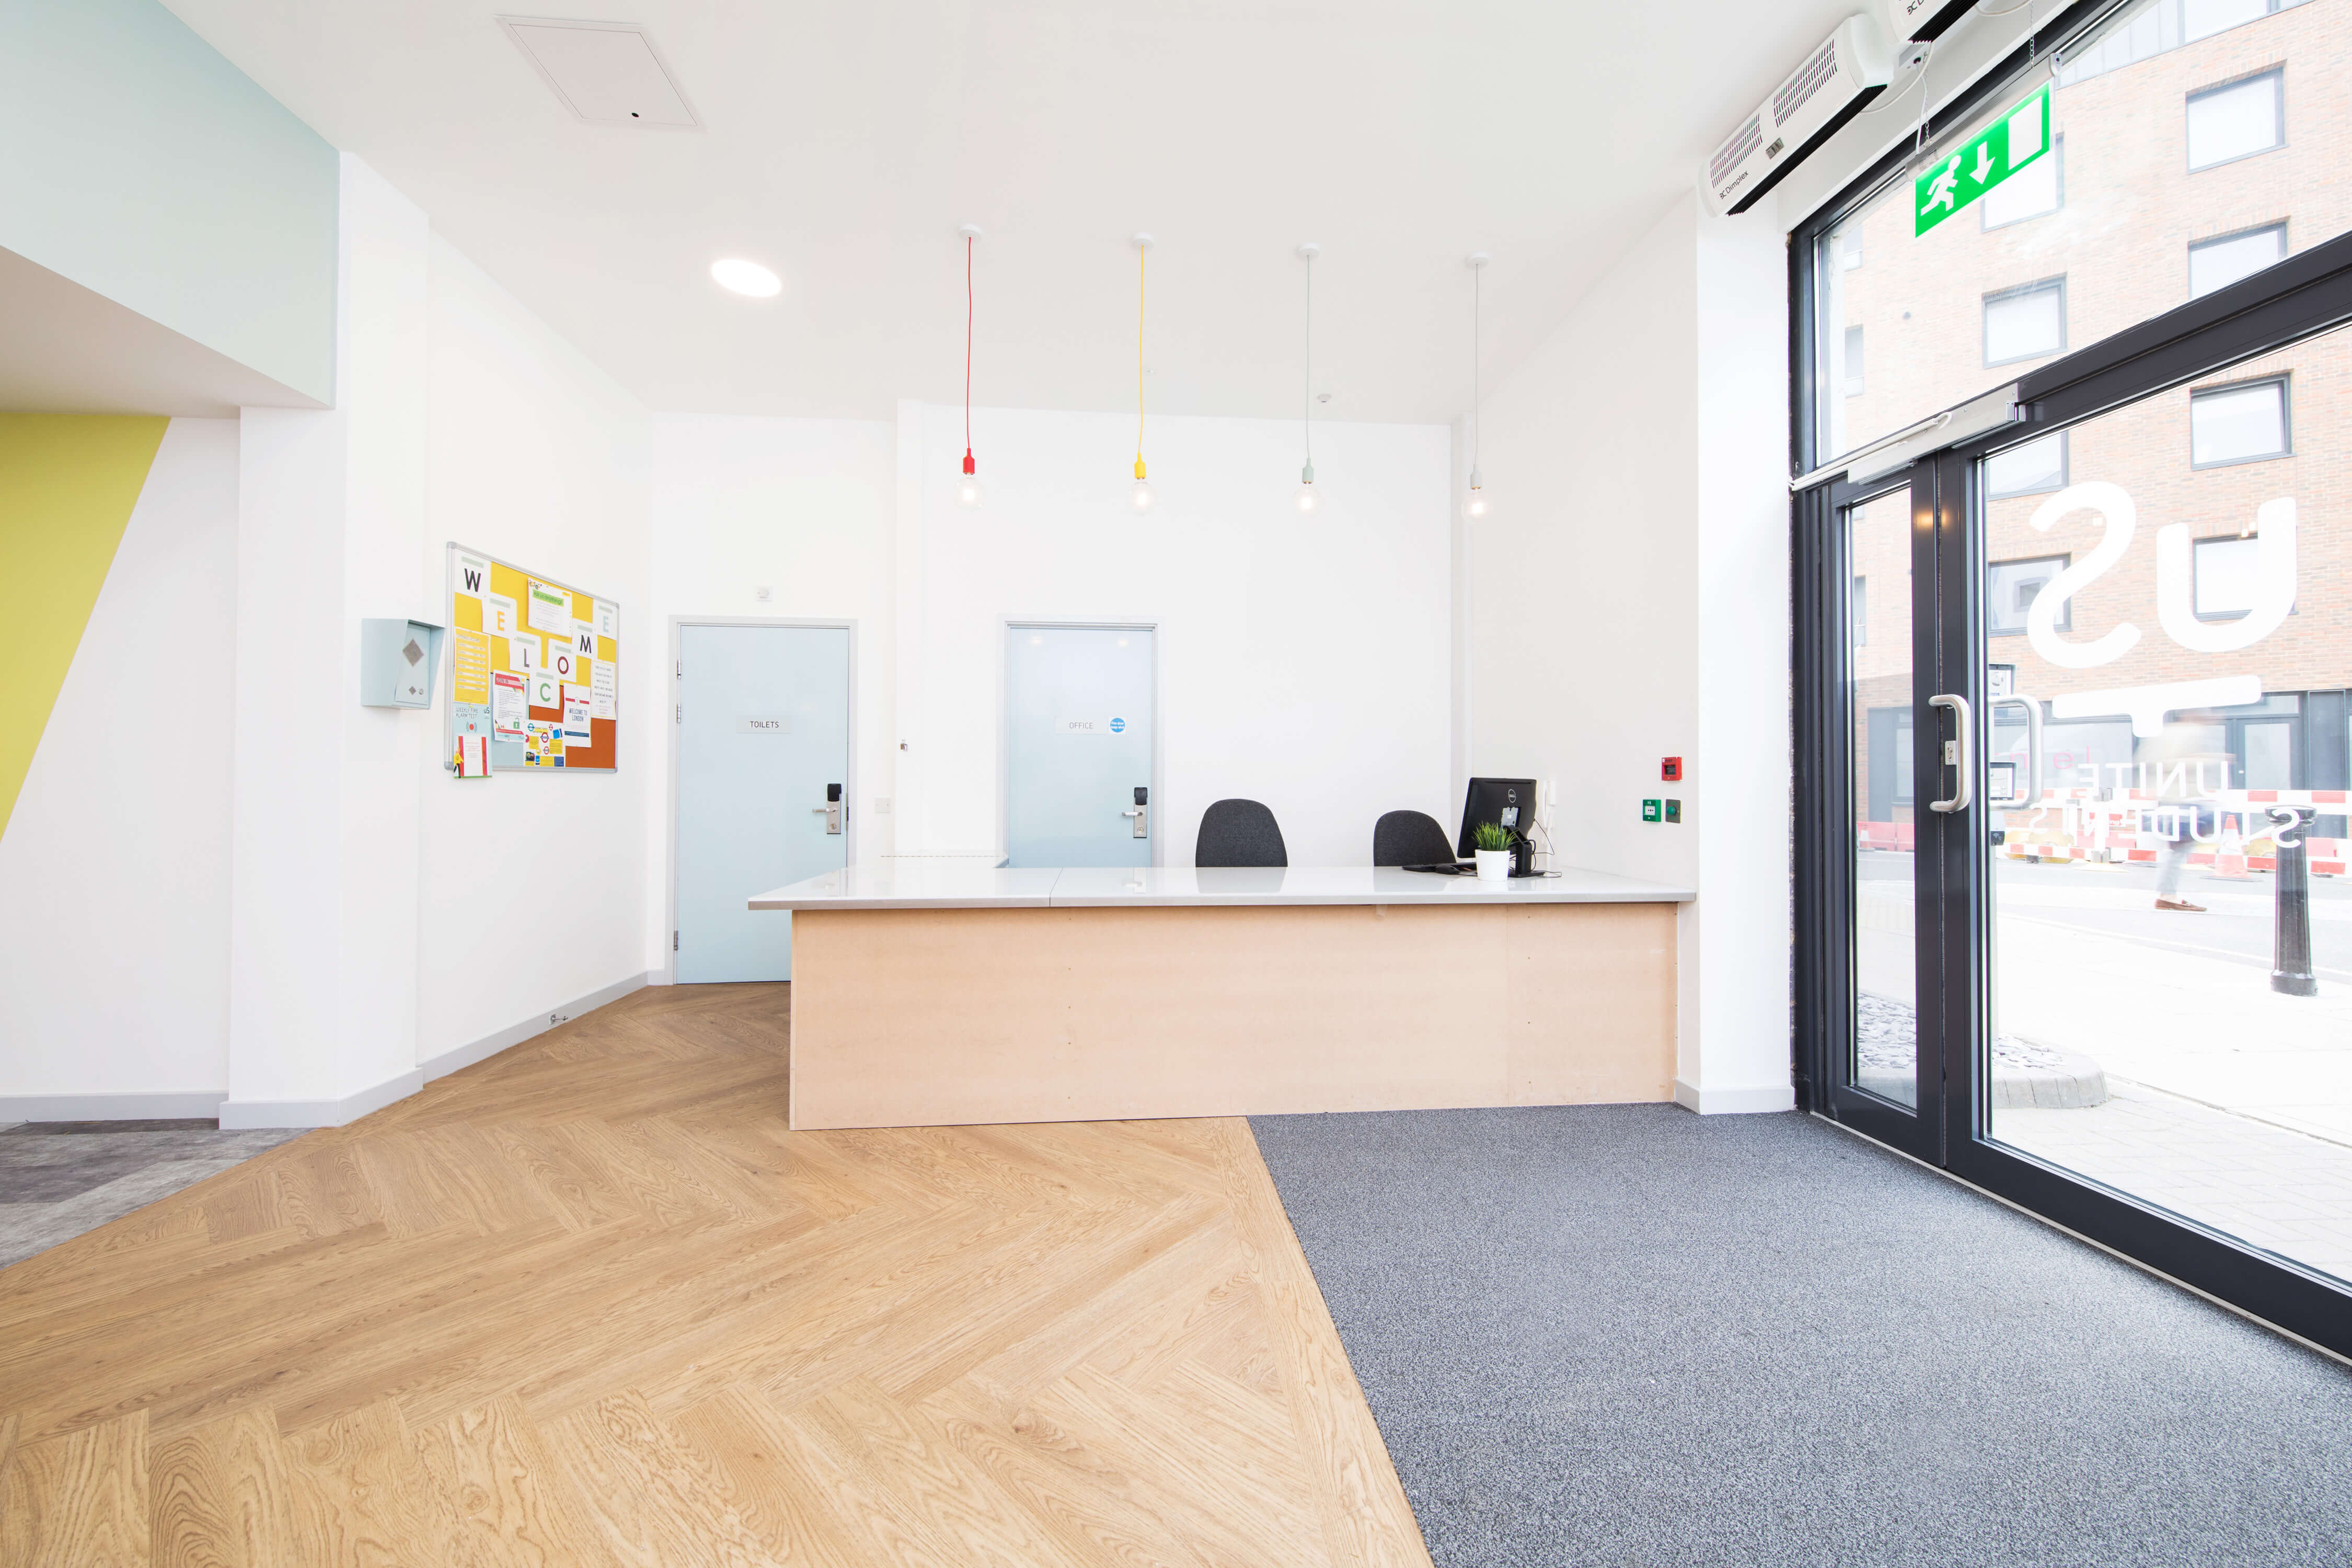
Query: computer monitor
(1511, 802)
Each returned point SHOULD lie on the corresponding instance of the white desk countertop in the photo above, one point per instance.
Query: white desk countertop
(941, 885)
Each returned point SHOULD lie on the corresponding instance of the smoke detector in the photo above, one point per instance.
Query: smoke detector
(606, 73)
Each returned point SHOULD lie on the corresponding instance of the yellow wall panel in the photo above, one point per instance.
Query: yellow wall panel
(68, 482)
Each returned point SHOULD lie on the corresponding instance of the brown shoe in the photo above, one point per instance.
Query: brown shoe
(2182, 904)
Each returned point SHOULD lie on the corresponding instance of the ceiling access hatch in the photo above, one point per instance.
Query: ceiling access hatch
(607, 73)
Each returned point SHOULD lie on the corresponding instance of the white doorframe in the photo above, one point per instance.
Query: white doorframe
(1005, 716)
(848, 783)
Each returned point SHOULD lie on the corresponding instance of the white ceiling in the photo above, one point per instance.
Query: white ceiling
(846, 142)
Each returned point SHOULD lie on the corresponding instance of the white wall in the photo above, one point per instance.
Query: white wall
(330, 527)
(114, 942)
(1303, 660)
(1629, 602)
(532, 886)
(804, 508)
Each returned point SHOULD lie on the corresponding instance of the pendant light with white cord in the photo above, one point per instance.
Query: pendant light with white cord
(1306, 497)
(1475, 506)
(1140, 497)
(967, 487)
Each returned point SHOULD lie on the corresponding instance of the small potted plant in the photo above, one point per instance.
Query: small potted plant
(1494, 855)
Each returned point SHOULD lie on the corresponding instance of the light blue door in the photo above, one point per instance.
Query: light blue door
(763, 737)
(1078, 745)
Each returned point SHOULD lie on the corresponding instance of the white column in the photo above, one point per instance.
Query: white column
(1734, 1051)
(330, 529)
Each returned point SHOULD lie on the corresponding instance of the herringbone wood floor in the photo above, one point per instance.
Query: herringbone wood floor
(590, 1303)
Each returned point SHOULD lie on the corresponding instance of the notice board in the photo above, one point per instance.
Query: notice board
(535, 666)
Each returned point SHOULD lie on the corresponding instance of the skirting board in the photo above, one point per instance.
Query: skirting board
(197, 1104)
(235, 1113)
(538, 1023)
(1747, 1101)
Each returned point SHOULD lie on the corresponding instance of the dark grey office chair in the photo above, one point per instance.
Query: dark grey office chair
(1239, 832)
(1410, 839)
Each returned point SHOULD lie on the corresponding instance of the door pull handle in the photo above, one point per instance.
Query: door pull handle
(2033, 705)
(1960, 753)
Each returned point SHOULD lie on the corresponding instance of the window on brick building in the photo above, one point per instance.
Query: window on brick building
(2225, 578)
(2247, 423)
(2025, 322)
(2221, 261)
(2036, 191)
(1854, 362)
(2237, 120)
(2203, 18)
(2010, 587)
(1862, 612)
(2030, 470)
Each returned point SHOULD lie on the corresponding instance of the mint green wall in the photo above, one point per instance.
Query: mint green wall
(143, 165)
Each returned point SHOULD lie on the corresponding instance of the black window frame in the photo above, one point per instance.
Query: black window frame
(2276, 69)
(2057, 284)
(2285, 382)
(2300, 297)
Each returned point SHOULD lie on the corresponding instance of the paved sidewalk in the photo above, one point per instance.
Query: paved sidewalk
(2274, 1189)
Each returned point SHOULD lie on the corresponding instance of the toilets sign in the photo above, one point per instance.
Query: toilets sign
(2017, 139)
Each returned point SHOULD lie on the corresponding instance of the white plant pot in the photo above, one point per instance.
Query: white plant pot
(1494, 865)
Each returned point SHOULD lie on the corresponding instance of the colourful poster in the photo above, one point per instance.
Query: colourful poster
(604, 689)
(472, 680)
(509, 704)
(542, 745)
(549, 608)
(576, 706)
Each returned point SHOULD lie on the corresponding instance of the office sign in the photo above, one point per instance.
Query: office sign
(2017, 139)
(1089, 726)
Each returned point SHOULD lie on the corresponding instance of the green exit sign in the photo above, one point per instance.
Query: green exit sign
(1984, 161)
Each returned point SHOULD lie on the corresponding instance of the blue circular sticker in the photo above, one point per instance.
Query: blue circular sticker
(1117, 725)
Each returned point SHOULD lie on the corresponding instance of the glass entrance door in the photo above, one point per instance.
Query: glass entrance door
(2167, 925)
(2083, 880)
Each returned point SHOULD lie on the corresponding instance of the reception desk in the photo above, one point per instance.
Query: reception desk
(930, 994)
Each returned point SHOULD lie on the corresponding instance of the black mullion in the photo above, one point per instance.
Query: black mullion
(1958, 860)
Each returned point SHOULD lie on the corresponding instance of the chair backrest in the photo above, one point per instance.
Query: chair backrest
(1410, 839)
(1239, 832)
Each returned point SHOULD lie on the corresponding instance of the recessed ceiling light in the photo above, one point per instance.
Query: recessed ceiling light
(746, 277)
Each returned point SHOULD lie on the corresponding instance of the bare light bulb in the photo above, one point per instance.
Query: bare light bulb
(1140, 497)
(967, 487)
(1305, 497)
(1476, 505)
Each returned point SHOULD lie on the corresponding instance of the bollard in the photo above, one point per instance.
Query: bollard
(2291, 919)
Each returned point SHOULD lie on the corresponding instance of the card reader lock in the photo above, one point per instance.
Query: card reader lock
(832, 808)
(1141, 812)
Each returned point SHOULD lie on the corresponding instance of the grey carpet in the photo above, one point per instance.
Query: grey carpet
(58, 1178)
(1629, 1335)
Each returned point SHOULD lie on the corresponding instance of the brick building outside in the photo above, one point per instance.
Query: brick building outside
(2194, 141)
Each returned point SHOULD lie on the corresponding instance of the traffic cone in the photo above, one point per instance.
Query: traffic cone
(2230, 854)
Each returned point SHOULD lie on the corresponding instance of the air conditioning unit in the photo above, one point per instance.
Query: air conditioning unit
(1907, 19)
(1834, 83)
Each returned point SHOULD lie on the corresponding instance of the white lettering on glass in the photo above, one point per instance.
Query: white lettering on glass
(2176, 585)
(2120, 517)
